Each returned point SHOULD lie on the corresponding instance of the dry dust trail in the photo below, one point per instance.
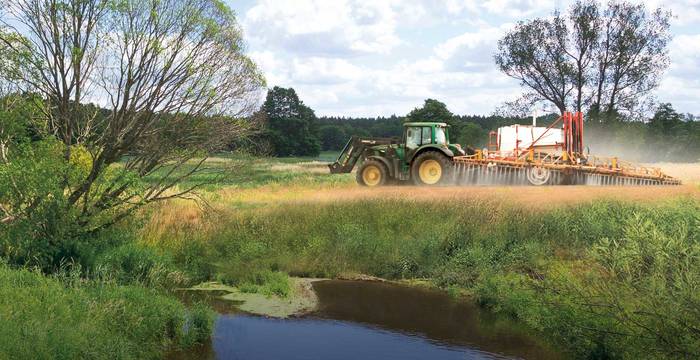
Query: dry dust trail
(540, 197)
(689, 173)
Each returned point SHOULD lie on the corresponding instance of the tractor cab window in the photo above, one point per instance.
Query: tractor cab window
(440, 136)
(413, 135)
(427, 136)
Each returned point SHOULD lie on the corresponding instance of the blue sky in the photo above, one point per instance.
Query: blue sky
(383, 57)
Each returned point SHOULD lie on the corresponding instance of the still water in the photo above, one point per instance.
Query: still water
(372, 320)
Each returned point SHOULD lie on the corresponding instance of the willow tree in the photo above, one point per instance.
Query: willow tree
(171, 83)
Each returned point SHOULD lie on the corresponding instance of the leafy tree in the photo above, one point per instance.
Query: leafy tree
(534, 53)
(432, 111)
(333, 137)
(666, 120)
(175, 80)
(591, 59)
(668, 131)
(292, 127)
(471, 134)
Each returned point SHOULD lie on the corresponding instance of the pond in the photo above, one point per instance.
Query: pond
(372, 320)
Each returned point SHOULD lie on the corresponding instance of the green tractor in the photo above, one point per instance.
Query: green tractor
(423, 156)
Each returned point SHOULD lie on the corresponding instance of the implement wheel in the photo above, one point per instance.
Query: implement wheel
(538, 176)
(372, 173)
(431, 168)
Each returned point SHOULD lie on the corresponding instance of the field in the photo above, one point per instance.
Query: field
(602, 270)
(254, 181)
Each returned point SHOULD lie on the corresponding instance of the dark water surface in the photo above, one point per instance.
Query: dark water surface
(372, 320)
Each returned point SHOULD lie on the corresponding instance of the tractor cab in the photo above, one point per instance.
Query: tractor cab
(418, 136)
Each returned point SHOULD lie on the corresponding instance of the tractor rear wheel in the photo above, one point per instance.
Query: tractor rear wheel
(372, 173)
(431, 168)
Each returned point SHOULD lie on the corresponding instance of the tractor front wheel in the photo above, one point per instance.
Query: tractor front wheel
(372, 173)
(431, 168)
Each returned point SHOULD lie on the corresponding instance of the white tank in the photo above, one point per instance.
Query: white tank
(521, 137)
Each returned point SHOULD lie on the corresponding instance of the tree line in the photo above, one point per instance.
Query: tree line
(292, 129)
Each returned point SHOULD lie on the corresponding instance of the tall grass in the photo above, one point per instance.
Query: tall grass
(607, 279)
(50, 318)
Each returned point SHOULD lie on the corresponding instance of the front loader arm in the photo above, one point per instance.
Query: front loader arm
(353, 151)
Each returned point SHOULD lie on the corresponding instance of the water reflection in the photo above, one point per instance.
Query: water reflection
(371, 320)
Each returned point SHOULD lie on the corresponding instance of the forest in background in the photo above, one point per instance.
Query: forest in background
(292, 129)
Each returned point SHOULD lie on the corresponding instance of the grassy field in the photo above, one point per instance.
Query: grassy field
(602, 271)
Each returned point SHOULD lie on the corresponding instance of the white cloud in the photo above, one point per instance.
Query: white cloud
(685, 12)
(362, 58)
(324, 28)
(503, 8)
(518, 8)
(321, 71)
(471, 51)
(681, 85)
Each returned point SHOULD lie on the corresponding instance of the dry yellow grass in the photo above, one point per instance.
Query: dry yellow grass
(310, 167)
(519, 195)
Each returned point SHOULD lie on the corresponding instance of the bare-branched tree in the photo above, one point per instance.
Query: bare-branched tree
(604, 61)
(171, 82)
(535, 54)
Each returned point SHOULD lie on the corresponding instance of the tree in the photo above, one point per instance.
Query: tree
(471, 134)
(292, 127)
(666, 120)
(175, 83)
(333, 137)
(432, 111)
(534, 53)
(589, 60)
(436, 111)
(633, 53)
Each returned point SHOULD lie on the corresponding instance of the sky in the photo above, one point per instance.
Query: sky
(384, 57)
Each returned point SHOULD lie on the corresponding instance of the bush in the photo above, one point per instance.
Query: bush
(47, 231)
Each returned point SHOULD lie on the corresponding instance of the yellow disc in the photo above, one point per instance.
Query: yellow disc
(430, 172)
(371, 175)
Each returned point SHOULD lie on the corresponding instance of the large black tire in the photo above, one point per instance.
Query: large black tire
(432, 168)
(372, 173)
